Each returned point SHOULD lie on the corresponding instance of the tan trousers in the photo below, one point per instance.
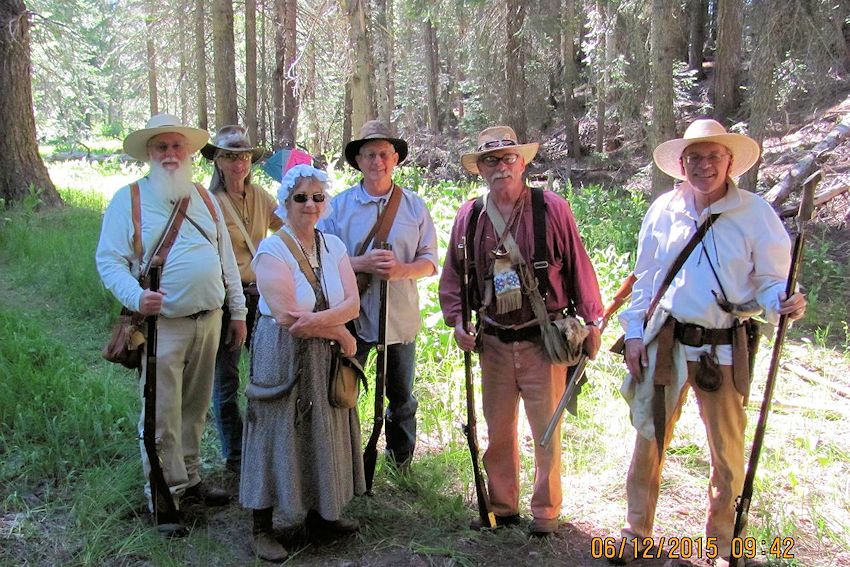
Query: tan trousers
(723, 414)
(185, 363)
(511, 371)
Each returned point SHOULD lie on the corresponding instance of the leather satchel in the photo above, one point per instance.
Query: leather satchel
(378, 234)
(345, 379)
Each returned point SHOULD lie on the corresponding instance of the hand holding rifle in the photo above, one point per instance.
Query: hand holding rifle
(792, 307)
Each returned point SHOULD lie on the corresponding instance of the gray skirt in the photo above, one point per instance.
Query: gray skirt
(298, 452)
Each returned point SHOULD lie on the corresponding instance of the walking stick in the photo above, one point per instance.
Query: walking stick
(488, 519)
(577, 372)
(164, 510)
(803, 218)
(370, 454)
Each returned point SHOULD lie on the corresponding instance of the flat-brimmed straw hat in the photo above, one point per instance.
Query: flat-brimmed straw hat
(745, 150)
(136, 143)
(232, 138)
(370, 131)
(494, 139)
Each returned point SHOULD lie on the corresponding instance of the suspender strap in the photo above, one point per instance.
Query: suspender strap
(541, 264)
(679, 262)
(382, 226)
(205, 196)
(136, 206)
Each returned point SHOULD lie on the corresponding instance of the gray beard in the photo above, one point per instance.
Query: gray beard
(172, 184)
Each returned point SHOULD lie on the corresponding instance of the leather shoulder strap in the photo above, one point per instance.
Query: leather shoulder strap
(299, 256)
(541, 263)
(385, 220)
(136, 211)
(205, 196)
(679, 262)
(227, 205)
(471, 227)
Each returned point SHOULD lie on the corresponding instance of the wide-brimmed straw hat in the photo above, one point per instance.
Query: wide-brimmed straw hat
(232, 138)
(494, 139)
(370, 131)
(136, 143)
(744, 149)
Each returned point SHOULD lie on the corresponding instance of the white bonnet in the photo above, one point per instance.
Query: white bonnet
(290, 180)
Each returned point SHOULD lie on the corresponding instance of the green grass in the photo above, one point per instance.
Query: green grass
(69, 453)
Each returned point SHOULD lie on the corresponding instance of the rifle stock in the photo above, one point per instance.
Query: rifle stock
(803, 217)
(370, 454)
(160, 493)
(470, 430)
(574, 377)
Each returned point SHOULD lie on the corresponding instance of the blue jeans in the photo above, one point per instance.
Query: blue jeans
(228, 419)
(401, 411)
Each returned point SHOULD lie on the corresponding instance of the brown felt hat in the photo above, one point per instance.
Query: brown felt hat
(136, 143)
(232, 138)
(370, 131)
(494, 139)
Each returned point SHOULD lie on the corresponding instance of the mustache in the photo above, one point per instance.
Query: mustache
(502, 175)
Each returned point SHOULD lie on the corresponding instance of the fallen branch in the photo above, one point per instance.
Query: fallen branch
(797, 174)
(821, 198)
(815, 378)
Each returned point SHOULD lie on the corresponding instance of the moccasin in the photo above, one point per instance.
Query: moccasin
(266, 547)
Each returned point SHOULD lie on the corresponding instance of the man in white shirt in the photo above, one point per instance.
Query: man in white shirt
(199, 274)
(695, 336)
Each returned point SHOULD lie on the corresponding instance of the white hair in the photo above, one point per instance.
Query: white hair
(290, 181)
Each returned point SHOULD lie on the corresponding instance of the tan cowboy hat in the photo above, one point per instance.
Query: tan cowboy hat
(373, 130)
(232, 138)
(497, 138)
(136, 143)
(744, 149)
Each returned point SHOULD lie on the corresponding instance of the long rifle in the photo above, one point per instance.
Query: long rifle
(160, 494)
(577, 372)
(803, 217)
(488, 519)
(370, 454)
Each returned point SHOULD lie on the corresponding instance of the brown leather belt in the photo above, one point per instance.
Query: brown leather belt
(199, 314)
(697, 336)
(513, 335)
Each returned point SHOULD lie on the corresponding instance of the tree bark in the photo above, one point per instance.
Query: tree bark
(696, 36)
(182, 91)
(515, 68)
(225, 64)
(21, 168)
(362, 90)
(285, 103)
(727, 63)
(153, 100)
(201, 66)
(601, 73)
(433, 79)
(251, 69)
(663, 127)
(570, 78)
(384, 61)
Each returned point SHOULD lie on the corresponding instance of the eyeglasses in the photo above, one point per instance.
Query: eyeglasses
(372, 156)
(493, 161)
(714, 158)
(235, 156)
(302, 197)
(163, 147)
(496, 144)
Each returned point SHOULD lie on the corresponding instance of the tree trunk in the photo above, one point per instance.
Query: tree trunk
(727, 63)
(151, 59)
(433, 79)
(384, 61)
(251, 69)
(201, 66)
(21, 167)
(663, 127)
(515, 68)
(601, 73)
(264, 92)
(182, 94)
(696, 36)
(570, 78)
(362, 91)
(225, 64)
(285, 104)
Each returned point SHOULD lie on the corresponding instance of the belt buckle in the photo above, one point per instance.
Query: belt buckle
(692, 335)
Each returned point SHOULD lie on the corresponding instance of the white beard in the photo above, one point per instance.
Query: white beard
(172, 184)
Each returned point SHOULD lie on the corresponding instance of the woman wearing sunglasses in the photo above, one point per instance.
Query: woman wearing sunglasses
(301, 455)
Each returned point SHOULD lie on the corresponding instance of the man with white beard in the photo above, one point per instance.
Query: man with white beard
(199, 274)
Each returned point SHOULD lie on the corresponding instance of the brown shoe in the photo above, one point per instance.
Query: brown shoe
(201, 493)
(267, 548)
(543, 527)
(341, 526)
(501, 522)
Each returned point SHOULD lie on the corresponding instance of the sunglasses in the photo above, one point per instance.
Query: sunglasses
(493, 161)
(496, 144)
(234, 156)
(302, 197)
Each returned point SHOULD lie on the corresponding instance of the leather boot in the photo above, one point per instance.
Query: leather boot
(267, 548)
